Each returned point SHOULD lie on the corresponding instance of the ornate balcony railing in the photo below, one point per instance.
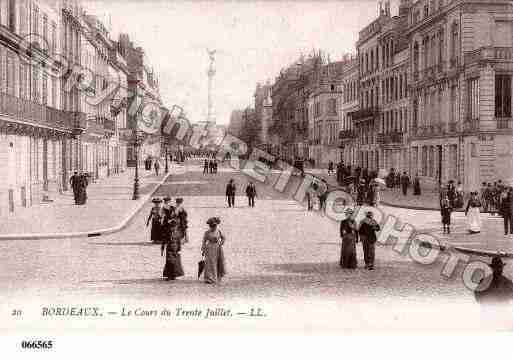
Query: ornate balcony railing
(390, 138)
(40, 115)
(346, 134)
(504, 123)
(364, 113)
(471, 125)
(452, 127)
(109, 125)
(489, 53)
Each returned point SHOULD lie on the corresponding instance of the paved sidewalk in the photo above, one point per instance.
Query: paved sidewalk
(428, 200)
(109, 203)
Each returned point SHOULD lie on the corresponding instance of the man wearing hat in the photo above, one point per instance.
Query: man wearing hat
(230, 193)
(367, 233)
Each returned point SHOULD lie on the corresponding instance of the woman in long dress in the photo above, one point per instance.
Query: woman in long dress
(212, 250)
(473, 214)
(416, 186)
(156, 219)
(172, 245)
(349, 235)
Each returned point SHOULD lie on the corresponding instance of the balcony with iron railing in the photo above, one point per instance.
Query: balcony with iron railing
(504, 123)
(392, 138)
(365, 113)
(109, 125)
(452, 127)
(26, 111)
(346, 135)
(489, 54)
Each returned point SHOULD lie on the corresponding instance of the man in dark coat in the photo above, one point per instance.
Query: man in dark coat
(75, 182)
(157, 167)
(251, 194)
(367, 234)
(506, 208)
(82, 189)
(205, 167)
(230, 193)
(451, 193)
(405, 182)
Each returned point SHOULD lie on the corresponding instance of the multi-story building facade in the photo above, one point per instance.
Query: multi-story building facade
(97, 151)
(373, 58)
(392, 136)
(143, 83)
(118, 75)
(263, 112)
(288, 132)
(235, 125)
(323, 113)
(349, 81)
(461, 65)
(36, 130)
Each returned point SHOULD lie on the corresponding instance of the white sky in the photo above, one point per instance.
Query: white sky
(254, 40)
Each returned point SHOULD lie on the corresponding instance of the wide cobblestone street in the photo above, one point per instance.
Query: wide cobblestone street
(280, 258)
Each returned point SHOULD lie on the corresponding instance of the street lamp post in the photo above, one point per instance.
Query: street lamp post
(136, 177)
(167, 168)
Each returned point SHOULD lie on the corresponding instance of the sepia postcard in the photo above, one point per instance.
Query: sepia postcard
(255, 166)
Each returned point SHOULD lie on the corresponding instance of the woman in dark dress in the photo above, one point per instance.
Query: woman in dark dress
(156, 219)
(172, 245)
(349, 236)
(82, 192)
(416, 186)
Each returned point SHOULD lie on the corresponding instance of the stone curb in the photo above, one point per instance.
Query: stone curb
(388, 204)
(124, 223)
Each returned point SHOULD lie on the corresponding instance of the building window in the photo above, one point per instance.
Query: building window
(502, 96)
(35, 21)
(332, 106)
(54, 38)
(454, 44)
(54, 92)
(35, 85)
(45, 33)
(441, 47)
(453, 114)
(45, 89)
(10, 75)
(473, 99)
(12, 15)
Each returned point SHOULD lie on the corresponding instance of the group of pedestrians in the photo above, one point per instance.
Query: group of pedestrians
(492, 196)
(79, 183)
(317, 192)
(351, 233)
(152, 163)
(169, 228)
(493, 199)
(210, 166)
(396, 180)
(231, 191)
